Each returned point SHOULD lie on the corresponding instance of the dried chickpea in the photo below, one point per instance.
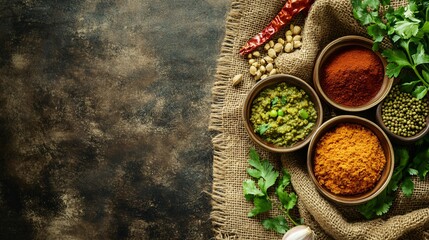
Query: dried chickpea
(278, 47)
(297, 38)
(297, 44)
(289, 47)
(256, 54)
(272, 53)
(268, 59)
(269, 67)
(296, 30)
(252, 70)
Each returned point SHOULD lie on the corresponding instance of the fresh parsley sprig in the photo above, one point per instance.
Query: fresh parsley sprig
(257, 191)
(411, 161)
(408, 29)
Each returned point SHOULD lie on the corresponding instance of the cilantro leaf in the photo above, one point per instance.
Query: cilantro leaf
(396, 56)
(274, 101)
(288, 200)
(408, 86)
(250, 190)
(413, 171)
(407, 187)
(406, 29)
(421, 163)
(263, 128)
(420, 57)
(419, 92)
(262, 170)
(283, 100)
(277, 224)
(425, 27)
(262, 204)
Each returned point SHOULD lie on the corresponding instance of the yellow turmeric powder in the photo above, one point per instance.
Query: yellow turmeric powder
(349, 160)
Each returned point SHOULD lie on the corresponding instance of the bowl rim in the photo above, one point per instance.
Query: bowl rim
(387, 171)
(273, 80)
(344, 41)
(397, 138)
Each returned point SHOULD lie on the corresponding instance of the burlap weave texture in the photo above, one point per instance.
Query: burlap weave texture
(326, 21)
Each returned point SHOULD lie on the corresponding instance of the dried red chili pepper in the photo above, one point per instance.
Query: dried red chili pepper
(289, 10)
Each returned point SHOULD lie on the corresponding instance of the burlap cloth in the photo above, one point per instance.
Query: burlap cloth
(326, 20)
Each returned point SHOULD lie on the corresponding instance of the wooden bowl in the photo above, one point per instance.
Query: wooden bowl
(269, 82)
(328, 51)
(385, 175)
(396, 138)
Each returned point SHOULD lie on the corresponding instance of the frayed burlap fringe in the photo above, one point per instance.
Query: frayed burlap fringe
(327, 20)
(219, 142)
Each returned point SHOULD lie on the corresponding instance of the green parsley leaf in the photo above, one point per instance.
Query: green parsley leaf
(250, 190)
(288, 200)
(421, 162)
(377, 31)
(263, 128)
(262, 170)
(425, 27)
(396, 56)
(262, 204)
(408, 86)
(283, 100)
(274, 101)
(420, 57)
(277, 224)
(412, 171)
(419, 92)
(407, 29)
(407, 187)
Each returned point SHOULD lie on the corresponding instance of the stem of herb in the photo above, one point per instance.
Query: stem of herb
(286, 212)
(414, 67)
(419, 76)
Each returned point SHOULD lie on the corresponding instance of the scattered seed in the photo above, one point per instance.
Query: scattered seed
(278, 47)
(281, 41)
(297, 38)
(271, 42)
(252, 70)
(258, 75)
(262, 62)
(296, 30)
(256, 54)
(289, 47)
(251, 61)
(268, 59)
(289, 33)
(237, 79)
(297, 44)
(272, 53)
(267, 46)
(262, 69)
(264, 76)
(272, 72)
(269, 67)
(289, 38)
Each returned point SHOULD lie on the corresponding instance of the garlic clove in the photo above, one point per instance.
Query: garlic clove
(300, 232)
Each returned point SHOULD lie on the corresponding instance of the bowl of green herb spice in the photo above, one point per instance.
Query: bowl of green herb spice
(281, 113)
(403, 117)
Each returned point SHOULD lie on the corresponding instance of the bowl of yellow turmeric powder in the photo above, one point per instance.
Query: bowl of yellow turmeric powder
(350, 159)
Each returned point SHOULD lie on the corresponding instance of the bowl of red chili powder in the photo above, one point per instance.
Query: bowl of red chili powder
(350, 76)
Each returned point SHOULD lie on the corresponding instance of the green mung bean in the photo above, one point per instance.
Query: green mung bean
(403, 114)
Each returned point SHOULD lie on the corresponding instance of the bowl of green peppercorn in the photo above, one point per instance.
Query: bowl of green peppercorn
(403, 117)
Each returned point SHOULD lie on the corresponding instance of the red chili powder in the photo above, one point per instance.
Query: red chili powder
(352, 76)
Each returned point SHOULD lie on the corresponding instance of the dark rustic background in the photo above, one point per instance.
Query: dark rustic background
(104, 110)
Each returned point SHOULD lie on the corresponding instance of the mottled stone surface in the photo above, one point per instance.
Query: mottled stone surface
(104, 110)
